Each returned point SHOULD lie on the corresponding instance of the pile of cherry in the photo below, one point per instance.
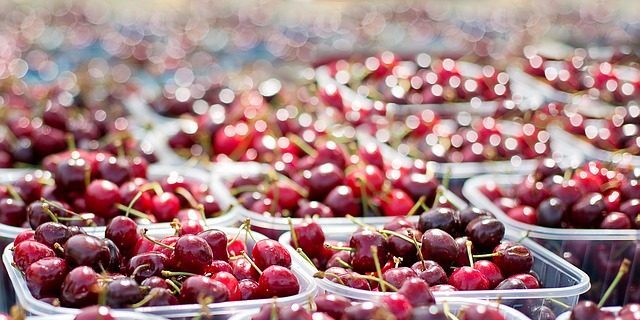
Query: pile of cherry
(91, 188)
(421, 80)
(330, 183)
(589, 310)
(128, 268)
(413, 303)
(88, 313)
(596, 195)
(449, 249)
(619, 132)
(614, 81)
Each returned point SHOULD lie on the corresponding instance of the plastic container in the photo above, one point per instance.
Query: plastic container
(589, 151)
(36, 307)
(454, 305)
(563, 282)
(567, 315)
(8, 233)
(597, 252)
(273, 227)
(119, 315)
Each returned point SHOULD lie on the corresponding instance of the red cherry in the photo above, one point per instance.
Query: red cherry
(231, 283)
(467, 278)
(269, 252)
(28, 252)
(278, 281)
(165, 206)
(396, 203)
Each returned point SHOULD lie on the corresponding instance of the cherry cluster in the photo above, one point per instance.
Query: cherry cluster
(589, 310)
(35, 133)
(449, 249)
(330, 183)
(411, 303)
(596, 195)
(420, 80)
(91, 188)
(619, 132)
(613, 81)
(65, 266)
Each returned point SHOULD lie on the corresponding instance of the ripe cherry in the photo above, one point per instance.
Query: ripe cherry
(191, 254)
(467, 278)
(45, 276)
(197, 289)
(278, 281)
(439, 246)
(28, 252)
(269, 252)
(80, 288)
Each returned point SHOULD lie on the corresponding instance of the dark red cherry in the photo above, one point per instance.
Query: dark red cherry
(398, 304)
(80, 288)
(242, 269)
(322, 179)
(331, 152)
(418, 292)
(24, 235)
(122, 292)
(485, 233)
(146, 265)
(342, 201)
(550, 212)
(160, 297)
(95, 312)
(12, 212)
(278, 281)
(28, 252)
(616, 220)
(588, 211)
(396, 203)
(155, 282)
(439, 246)
(530, 281)
(524, 214)
(370, 154)
(196, 289)
(471, 213)
(123, 231)
(310, 237)
(432, 312)
(467, 278)
(531, 192)
(248, 289)
(165, 206)
(567, 191)
(397, 276)
(400, 247)
(418, 185)
(368, 179)
(191, 254)
(101, 196)
(218, 266)
(513, 259)
(86, 250)
(51, 233)
(362, 256)
(445, 219)
(480, 312)
(511, 284)
(585, 310)
(431, 272)
(269, 252)
(490, 270)
(313, 208)
(217, 241)
(116, 170)
(367, 310)
(70, 174)
(45, 276)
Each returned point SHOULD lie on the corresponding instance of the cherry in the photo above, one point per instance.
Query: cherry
(567, 191)
(439, 246)
(123, 231)
(485, 232)
(165, 206)
(589, 210)
(286, 195)
(529, 280)
(242, 269)
(231, 283)
(36, 215)
(277, 281)
(542, 313)
(146, 265)
(371, 154)
(24, 235)
(12, 212)
(468, 278)
(368, 178)
(310, 237)
(70, 174)
(249, 289)
(396, 203)
(512, 258)
(491, 190)
(546, 168)
(322, 179)
(100, 197)
(524, 214)
(362, 256)
(531, 192)
(445, 219)
(400, 247)
(367, 310)
(217, 241)
(160, 297)
(480, 312)
(418, 292)
(470, 213)
(45, 276)
(80, 288)
(95, 312)
(269, 252)
(616, 220)
(50, 233)
(585, 310)
(331, 152)
(398, 304)
(29, 187)
(86, 250)
(116, 170)
(342, 201)
(28, 252)
(550, 212)
(432, 312)
(419, 185)
(313, 208)
(122, 292)
(331, 304)
(197, 289)
(431, 272)
(155, 282)
(490, 270)
(218, 266)
(511, 284)
(397, 276)
(191, 254)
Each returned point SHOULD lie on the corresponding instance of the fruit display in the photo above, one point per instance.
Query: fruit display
(131, 267)
(399, 306)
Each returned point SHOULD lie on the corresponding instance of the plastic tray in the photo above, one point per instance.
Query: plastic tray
(590, 151)
(454, 305)
(274, 227)
(591, 247)
(8, 233)
(564, 282)
(567, 315)
(36, 307)
(119, 315)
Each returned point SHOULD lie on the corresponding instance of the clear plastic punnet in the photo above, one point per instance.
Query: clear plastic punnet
(597, 252)
(567, 315)
(273, 227)
(8, 233)
(454, 305)
(35, 307)
(562, 282)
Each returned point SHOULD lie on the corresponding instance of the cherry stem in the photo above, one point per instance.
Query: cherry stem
(306, 258)
(166, 273)
(396, 234)
(188, 196)
(59, 207)
(243, 189)
(273, 177)
(488, 255)
(416, 206)
(14, 194)
(45, 208)
(446, 178)
(468, 244)
(560, 303)
(87, 175)
(138, 269)
(343, 263)
(144, 300)
(324, 275)
(624, 268)
(418, 247)
(71, 142)
(173, 285)
(176, 226)
(447, 312)
(131, 211)
(436, 200)
(274, 310)
(360, 223)
(378, 280)
(376, 262)
(294, 236)
(58, 247)
(338, 248)
(253, 264)
(303, 145)
(137, 197)
(154, 241)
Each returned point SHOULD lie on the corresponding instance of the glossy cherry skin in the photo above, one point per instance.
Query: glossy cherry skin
(367, 310)
(588, 211)
(95, 313)
(80, 288)
(248, 289)
(368, 179)
(585, 310)
(12, 212)
(123, 231)
(28, 252)
(322, 179)
(362, 255)
(550, 212)
(116, 170)
(397, 276)
(479, 312)
(310, 237)
(70, 174)
(191, 254)
(45, 276)
(616, 220)
(398, 304)
(313, 208)
(101, 196)
(485, 233)
(524, 214)
(530, 281)
(396, 203)
(490, 270)
(196, 288)
(511, 284)
(467, 278)
(217, 241)
(445, 219)
(24, 235)
(231, 283)
(342, 201)
(146, 265)
(278, 281)
(165, 207)
(123, 292)
(432, 312)
(418, 292)
(439, 246)
(269, 252)
(471, 213)
(331, 304)
(155, 282)
(431, 272)
(50, 233)
(242, 269)
(161, 297)
(512, 259)
(418, 185)
(400, 247)
(86, 250)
